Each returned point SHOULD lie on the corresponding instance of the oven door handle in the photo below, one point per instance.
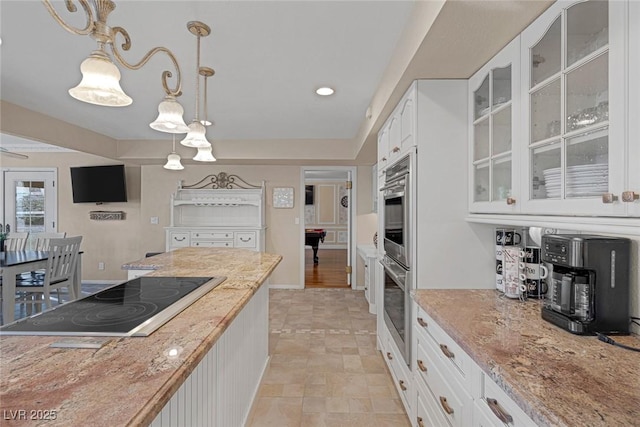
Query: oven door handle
(391, 194)
(396, 183)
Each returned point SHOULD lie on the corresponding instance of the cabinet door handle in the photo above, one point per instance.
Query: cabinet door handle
(422, 322)
(630, 196)
(498, 411)
(420, 422)
(396, 149)
(402, 386)
(197, 234)
(511, 201)
(178, 240)
(226, 235)
(389, 356)
(248, 239)
(446, 351)
(421, 366)
(609, 198)
(384, 159)
(445, 405)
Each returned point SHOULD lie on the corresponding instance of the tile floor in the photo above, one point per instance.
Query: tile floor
(325, 369)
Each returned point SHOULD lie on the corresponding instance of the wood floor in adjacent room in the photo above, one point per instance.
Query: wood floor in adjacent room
(330, 270)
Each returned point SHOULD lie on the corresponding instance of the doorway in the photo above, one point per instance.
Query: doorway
(29, 199)
(327, 228)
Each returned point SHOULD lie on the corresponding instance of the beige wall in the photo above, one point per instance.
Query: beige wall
(149, 188)
(111, 242)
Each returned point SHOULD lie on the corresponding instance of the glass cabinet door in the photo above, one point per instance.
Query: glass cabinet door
(568, 105)
(492, 116)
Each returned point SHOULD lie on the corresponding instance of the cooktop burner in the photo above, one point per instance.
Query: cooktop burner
(134, 308)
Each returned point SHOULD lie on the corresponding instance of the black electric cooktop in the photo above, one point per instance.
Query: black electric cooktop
(134, 308)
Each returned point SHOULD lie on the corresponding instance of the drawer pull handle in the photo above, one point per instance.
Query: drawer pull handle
(630, 196)
(178, 240)
(402, 386)
(511, 201)
(420, 422)
(422, 322)
(498, 411)
(609, 198)
(389, 356)
(443, 402)
(226, 235)
(395, 149)
(248, 239)
(384, 159)
(446, 351)
(421, 366)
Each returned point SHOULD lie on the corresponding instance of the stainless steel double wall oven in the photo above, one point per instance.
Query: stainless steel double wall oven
(397, 261)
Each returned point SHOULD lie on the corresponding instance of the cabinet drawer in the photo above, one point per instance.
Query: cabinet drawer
(447, 350)
(245, 239)
(455, 406)
(215, 235)
(179, 239)
(427, 412)
(500, 405)
(400, 373)
(212, 244)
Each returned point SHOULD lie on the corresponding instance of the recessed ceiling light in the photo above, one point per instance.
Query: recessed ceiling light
(324, 91)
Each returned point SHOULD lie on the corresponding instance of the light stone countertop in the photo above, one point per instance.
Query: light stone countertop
(557, 378)
(129, 380)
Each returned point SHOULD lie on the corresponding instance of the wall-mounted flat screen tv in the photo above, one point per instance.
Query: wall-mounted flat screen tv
(308, 194)
(98, 184)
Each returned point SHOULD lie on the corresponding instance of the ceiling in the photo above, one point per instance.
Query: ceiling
(269, 58)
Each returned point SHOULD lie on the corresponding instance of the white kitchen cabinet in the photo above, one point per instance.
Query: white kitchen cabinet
(451, 386)
(397, 136)
(369, 256)
(222, 388)
(400, 371)
(574, 109)
(494, 117)
(218, 218)
(632, 187)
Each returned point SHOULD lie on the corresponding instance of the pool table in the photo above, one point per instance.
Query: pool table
(313, 237)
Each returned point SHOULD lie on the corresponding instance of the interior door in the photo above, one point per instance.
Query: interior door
(29, 200)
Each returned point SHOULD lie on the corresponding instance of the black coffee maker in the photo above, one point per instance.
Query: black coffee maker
(588, 283)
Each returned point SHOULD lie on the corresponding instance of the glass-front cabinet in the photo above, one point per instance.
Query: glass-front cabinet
(494, 118)
(573, 100)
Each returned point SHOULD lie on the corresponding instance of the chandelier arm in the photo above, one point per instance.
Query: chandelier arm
(177, 90)
(88, 29)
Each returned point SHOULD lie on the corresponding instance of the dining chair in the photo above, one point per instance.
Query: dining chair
(16, 241)
(40, 241)
(59, 273)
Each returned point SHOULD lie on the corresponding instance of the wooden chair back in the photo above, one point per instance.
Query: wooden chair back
(40, 241)
(63, 256)
(16, 241)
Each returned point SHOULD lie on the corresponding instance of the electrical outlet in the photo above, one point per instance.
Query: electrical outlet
(154, 220)
(296, 221)
(101, 266)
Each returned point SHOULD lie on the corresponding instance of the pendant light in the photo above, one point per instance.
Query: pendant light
(205, 154)
(196, 137)
(173, 159)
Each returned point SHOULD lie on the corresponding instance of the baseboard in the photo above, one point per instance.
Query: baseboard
(274, 286)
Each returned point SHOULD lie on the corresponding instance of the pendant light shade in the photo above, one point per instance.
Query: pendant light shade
(100, 84)
(196, 137)
(170, 117)
(173, 159)
(204, 155)
(173, 162)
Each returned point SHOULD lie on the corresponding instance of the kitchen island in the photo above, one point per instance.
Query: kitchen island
(555, 377)
(130, 380)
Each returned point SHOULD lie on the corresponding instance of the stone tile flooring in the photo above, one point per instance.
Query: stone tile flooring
(325, 369)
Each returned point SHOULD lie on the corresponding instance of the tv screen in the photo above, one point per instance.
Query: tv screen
(98, 184)
(308, 194)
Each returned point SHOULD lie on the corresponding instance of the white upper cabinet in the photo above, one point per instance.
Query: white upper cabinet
(397, 136)
(574, 110)
(494, 117)
(632, 188)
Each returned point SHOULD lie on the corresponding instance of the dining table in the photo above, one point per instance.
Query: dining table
(17, 262)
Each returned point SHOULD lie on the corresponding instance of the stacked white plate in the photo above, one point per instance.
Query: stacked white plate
(581, 180)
